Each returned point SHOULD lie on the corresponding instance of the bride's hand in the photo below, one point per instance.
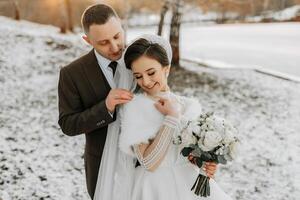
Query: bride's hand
(168, 107)
(210, 168)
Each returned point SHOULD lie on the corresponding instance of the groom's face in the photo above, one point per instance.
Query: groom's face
(107, 39)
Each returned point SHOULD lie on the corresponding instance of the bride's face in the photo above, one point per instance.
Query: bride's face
(151, 76)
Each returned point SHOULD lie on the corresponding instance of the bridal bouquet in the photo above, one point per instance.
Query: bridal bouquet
(208, 139)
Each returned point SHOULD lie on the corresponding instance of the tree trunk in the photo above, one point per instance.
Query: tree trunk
(63, 28)
(266, 5)
(162, 17)
(125, 20)
(17, 10)
(175, 31)
(63, 18)
(283, 4)
(252, 6)
(70, 25)
(222, 15)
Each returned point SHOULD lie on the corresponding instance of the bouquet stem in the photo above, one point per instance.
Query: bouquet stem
(201, 186)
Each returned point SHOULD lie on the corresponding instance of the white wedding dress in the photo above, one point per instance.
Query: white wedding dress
(175, 176)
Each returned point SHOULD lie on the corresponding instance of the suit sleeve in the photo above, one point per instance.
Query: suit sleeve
(74, 119)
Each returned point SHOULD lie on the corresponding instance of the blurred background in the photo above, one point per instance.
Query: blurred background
(239, 58)
(58, 12)
(182, 21)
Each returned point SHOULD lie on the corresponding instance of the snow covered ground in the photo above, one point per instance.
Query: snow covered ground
(38, 162)
(287, 14)
(271, 46)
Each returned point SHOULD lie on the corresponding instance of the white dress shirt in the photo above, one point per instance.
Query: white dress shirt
(107, 71)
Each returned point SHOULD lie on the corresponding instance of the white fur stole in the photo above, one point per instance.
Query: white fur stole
(141, 121)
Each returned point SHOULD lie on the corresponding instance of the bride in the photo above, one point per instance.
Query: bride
(147, 164)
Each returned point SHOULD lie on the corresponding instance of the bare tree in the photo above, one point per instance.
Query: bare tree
(163, 12)
(126, 16)
(221, 7)
(252, 6)
(68, 6)
(62, 16)
(17, 9)
(175, 31)
(266, 5)
(283, 4)
(66, 16)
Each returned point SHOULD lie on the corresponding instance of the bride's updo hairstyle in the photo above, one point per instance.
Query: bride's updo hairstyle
(143, 47)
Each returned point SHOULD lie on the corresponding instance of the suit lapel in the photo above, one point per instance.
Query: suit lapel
(95, 76)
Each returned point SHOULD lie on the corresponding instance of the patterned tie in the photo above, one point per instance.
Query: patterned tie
(113, 66)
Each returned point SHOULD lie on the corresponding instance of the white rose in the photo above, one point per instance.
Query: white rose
(189, 139)
(233, 149)
(193, 127)
(210, 140)
(230, 133)
(218, 124)
(210, 122)
(196, 128)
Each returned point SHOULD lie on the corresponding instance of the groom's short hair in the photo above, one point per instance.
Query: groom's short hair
(96, 14)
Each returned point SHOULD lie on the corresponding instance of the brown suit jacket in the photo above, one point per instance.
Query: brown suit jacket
(82, 90)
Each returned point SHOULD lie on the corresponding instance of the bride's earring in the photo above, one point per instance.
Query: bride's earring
(166, 75)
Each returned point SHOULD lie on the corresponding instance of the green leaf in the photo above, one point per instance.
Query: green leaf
(197, 152)
(194, 146)
(186, 151)
(206, 156)
(199, 162)
(221, 159)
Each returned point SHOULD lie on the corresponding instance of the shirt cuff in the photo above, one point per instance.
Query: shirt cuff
(111, 114)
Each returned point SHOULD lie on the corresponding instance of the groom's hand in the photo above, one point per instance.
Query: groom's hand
(116, 97)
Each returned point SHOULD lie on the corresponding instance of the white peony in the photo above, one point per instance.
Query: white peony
(189, 128)
(210, 140)
(193, 127)
(189, 138)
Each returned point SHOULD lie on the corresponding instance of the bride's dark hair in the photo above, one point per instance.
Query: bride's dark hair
(143, 47)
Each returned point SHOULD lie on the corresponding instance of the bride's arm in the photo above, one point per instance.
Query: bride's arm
(151, 155)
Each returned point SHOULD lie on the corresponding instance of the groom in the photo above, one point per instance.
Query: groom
(87, 100)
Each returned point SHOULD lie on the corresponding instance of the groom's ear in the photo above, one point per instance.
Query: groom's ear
(84, 37)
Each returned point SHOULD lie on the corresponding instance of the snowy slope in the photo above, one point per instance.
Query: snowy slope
(288, 13)
(38, 162)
